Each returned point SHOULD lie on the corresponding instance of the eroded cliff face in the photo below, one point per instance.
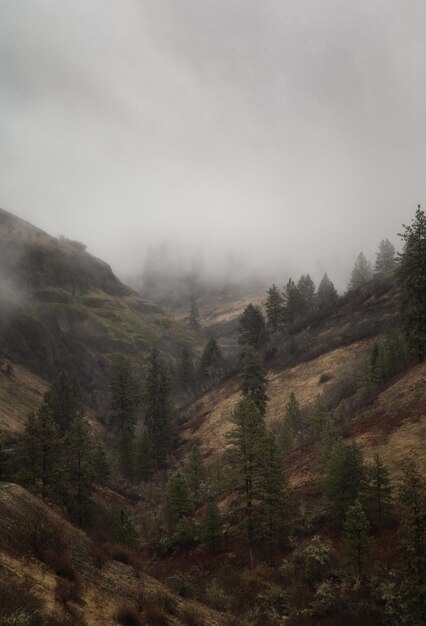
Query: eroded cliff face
(61, 307)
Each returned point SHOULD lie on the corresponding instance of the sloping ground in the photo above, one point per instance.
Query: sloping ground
(21, 392)
(100, 591)
(60, 307)
(208, 418)
(394, 426)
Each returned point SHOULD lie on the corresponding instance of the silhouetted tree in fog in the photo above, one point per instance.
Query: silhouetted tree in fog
(361, 272)
(385, 257)
(326, 295)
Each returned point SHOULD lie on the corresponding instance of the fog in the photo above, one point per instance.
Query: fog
(286, 134)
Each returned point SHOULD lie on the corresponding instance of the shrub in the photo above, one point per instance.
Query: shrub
(271, 606)
(128, 616)
(324, 378)
(216, 597)
(325, 600)
(316, 556)
(183, 585)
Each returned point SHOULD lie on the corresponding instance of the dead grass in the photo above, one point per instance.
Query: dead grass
(208, 418)
(20, 394)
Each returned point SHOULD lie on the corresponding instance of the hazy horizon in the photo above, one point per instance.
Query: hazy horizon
(278, 135)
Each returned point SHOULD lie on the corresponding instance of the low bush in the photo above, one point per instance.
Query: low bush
(128, 616)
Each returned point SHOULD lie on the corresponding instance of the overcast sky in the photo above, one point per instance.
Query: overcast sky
(293, 131)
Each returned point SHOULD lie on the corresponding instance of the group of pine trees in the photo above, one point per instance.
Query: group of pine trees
(193, 374)
(259, 476)
(57, 457)
(141, 455)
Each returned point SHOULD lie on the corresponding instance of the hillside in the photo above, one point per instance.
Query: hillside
(48, 566)
(60, 307)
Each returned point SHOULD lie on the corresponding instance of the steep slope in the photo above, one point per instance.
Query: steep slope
(320, 355)
(61, 308)
(56, 564)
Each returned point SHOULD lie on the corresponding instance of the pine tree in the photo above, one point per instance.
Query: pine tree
(377, 491)
(195, 472)
(361, 273)
(212, 363)
(411, 275)
(274, 306)
(186, 370)
(273, 494)
(293, 413)
(412, 497)
(293, 303)
(211, 527)
(252, 327)
(343, 477)
(39, 455)
(356, 539)
(327, 297)
(80, 474)
(253, 378)
(306, 288)
(125, 394)
(101, 466)
(385, 257)
(65, 400)
(124, 531)
(145, 457)
(157, 415)
(246, 438)
(178, 499)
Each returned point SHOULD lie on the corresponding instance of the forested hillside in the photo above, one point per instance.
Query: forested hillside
(279, 482)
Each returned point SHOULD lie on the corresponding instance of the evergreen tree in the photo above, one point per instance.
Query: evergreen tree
(327, 297)
(186, 370)
(212, 363)
(124, 531)
(101, 466)
(252, 327)
(377, 491)
(293, 413)
(65, 400)
(253, 378)
(306, 288)
(343, 477)
(157, 415)
(211, 527)
(39, 455)
(412, 499)
(246, 438)
(145, 457)
(411, 275)
(274, 306)
(361, 273)
(273, 494)
(194, 314)
(195, 472)
(178, 499)
(356, 539)
(125, 394)
(293, 303)
(385, 257)
(80, 472)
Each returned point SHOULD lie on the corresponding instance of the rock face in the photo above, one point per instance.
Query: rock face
(60, 307)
